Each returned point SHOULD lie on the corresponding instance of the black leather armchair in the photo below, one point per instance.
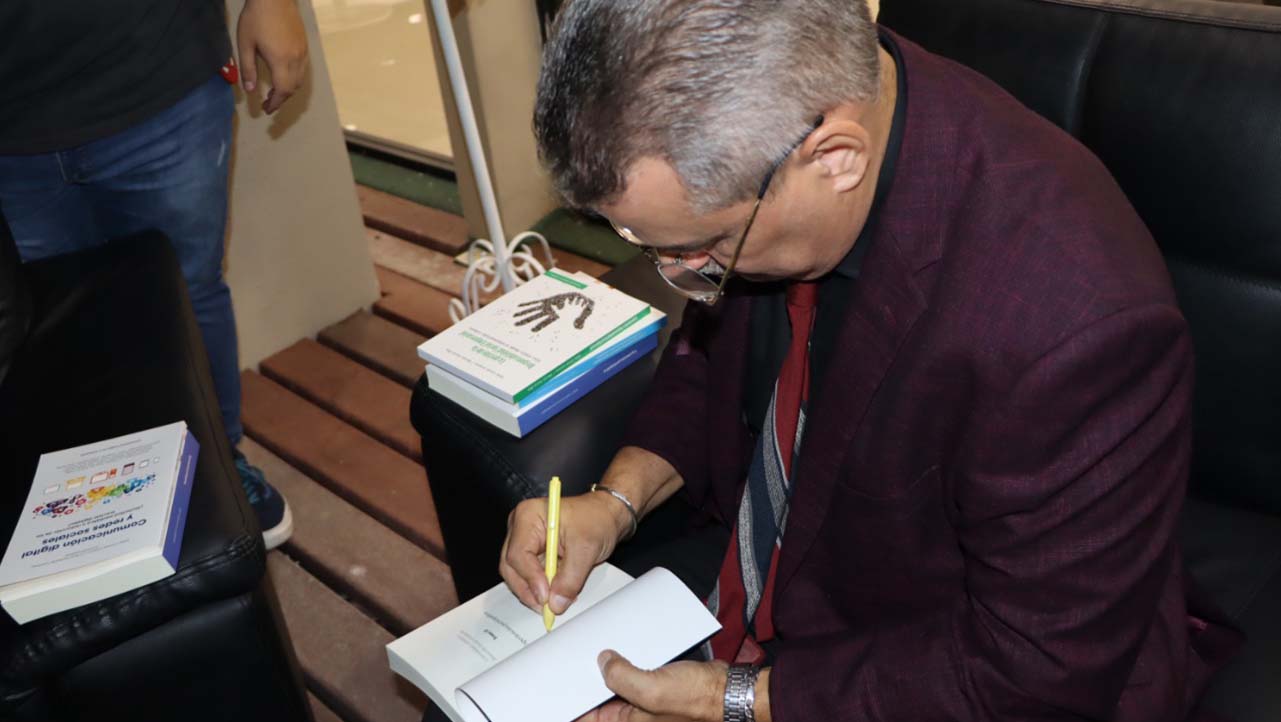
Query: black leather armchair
(1181, 99)
(103, 343)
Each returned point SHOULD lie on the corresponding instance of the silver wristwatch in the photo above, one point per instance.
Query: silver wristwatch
(740, 693)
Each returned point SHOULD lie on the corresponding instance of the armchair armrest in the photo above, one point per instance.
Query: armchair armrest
(113, 348)
(478, 473)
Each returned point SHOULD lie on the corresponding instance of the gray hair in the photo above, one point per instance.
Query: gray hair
(720, 89)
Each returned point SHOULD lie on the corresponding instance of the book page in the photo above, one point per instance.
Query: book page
(650, 622)
(443, 654)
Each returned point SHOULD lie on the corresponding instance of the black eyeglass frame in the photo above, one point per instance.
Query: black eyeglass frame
(715, 288)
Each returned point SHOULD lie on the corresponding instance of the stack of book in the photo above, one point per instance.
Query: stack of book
(100, 520)
(534, 351)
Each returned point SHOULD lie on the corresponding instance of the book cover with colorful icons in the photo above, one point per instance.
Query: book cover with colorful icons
(100, 519)
(90, 500)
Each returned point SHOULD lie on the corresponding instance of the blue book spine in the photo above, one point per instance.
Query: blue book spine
(576, 389)
(181, 498)
(586, 366)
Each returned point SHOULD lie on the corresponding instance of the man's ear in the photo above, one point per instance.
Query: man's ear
(841, 147)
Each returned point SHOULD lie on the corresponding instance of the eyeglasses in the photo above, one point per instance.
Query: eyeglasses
(693, 283)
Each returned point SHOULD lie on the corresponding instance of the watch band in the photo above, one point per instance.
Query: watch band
(740, 693)
(626, 502)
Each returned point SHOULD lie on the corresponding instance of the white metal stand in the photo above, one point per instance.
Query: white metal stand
(495, 261)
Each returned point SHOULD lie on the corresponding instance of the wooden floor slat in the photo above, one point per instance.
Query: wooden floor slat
(420, 224)
(431, 268)
(565, 260)
(443, 273)
(341, 651)
(328, 422)
(409, 303)
(571, 262)
(402, 585)
(320, 712)
(383, 483)
(386, 347)
(363, 398)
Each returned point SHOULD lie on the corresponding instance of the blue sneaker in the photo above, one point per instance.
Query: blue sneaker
(273, 513)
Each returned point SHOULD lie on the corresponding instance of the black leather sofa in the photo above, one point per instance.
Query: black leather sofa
(98, 344)
(1181, 99)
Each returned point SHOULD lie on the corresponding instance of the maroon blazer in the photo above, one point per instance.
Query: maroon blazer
(983, 520)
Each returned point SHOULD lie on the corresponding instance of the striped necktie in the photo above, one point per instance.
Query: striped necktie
(744, 589)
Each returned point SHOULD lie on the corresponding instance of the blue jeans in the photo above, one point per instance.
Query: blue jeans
(169, 173)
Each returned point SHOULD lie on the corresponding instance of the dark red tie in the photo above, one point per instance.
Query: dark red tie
(745, 588)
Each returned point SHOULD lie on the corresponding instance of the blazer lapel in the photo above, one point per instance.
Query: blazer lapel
(882, 310)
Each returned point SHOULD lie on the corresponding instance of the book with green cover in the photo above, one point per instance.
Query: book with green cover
(532, 334)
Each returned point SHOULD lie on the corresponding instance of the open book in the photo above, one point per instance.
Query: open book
(491, 659)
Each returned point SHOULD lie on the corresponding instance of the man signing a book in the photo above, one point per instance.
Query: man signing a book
(931, 394)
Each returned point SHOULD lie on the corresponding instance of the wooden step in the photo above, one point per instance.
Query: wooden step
(320, 712)
(341, 651)
(417, 307)
(573, 262)
(403, 586)
(372, 403)
(444, 273)
(383, 483)
(386, 347)
(428, 267)
(425, 226)
(565, 261)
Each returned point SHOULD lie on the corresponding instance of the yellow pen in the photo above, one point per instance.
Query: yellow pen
(553, 544)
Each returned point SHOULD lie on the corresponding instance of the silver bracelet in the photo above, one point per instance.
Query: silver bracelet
(740, 693)
(626, 502)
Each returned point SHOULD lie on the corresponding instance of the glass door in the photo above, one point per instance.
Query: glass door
(380, 60)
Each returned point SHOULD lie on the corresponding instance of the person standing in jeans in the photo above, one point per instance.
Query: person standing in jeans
(116, 117)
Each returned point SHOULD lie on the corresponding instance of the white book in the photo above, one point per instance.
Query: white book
(533, 333)
(100, 519)
(519, 421)
(491, 660)
(559, 393)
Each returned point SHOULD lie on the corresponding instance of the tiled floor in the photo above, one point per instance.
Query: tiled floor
(384, 75)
